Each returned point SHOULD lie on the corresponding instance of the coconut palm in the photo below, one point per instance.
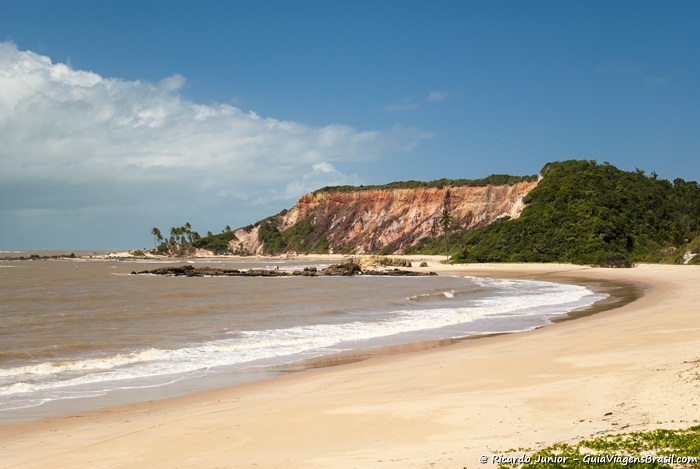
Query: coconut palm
(187, 232)
(446, 221)
(174, 235)
(157, 236)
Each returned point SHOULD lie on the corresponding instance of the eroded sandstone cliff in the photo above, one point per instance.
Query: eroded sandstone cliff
(365, 221)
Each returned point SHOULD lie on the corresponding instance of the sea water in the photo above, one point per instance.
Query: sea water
(74, 330)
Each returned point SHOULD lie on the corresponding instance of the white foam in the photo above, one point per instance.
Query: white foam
(94, 364)
(507, 299)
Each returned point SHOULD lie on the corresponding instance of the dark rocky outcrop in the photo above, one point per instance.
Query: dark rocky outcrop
(344, 269)
(37, 257)
(398, 273)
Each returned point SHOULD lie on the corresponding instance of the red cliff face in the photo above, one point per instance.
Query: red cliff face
(367, 220)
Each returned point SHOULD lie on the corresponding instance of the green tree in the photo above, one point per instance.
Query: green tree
(187, 232)
(174, 235)
(157, 236)
(446, 222)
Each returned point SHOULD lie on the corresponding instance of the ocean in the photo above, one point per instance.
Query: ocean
(80, 334)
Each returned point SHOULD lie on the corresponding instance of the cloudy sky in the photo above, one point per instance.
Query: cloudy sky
(118, 116)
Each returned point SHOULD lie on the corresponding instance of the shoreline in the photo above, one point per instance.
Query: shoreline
(618, 294)
(441, 407)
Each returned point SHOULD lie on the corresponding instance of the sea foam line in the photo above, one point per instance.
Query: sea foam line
(541, 298)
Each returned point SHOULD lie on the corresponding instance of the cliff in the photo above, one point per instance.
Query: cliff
(363, 221)
(577, 211)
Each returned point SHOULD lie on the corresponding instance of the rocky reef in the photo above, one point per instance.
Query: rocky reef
(344, 269)
(38, 257)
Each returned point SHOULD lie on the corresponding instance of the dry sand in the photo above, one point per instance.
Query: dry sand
(632, 368)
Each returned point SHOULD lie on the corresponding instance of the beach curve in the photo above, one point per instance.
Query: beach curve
(631, 368)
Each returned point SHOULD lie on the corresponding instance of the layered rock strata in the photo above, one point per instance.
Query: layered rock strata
(366, 221)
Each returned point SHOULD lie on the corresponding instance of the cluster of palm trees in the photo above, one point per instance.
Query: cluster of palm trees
(181, 239)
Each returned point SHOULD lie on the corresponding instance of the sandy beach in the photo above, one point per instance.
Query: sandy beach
(632, 368)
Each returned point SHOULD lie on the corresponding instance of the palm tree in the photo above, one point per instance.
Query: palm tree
(174, 234)
(187, 231)
(446, 222)
(157, 236)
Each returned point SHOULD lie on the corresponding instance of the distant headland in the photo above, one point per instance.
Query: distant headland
(576, 211)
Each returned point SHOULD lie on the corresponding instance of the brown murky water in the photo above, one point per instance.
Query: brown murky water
(75, 330)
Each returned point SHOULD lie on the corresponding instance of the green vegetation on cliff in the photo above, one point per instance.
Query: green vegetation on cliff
(492, 180)
(216, 243)
(582, 212)
(305, 236)
(299, 237)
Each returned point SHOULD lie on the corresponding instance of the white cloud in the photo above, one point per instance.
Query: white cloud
(320, 175)
(436, 96)
(172, 83)
(77, 133)
(411, 103)
(68, 125)
(402, 105)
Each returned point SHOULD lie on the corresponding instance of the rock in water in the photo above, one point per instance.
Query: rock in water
(345, 269)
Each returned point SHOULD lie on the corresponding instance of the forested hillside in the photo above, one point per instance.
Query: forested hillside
(578, 212)
(587, 213)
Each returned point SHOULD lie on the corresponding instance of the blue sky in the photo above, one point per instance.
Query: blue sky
(117, 116)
